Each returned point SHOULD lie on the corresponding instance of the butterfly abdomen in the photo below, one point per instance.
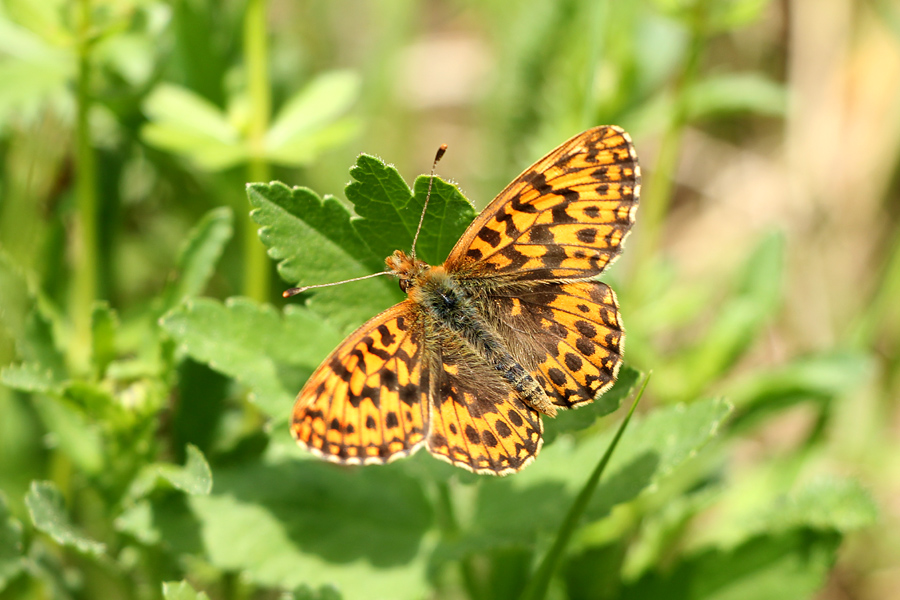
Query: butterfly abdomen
(452, 307)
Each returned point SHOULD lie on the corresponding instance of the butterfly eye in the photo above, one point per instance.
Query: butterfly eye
(404, 284)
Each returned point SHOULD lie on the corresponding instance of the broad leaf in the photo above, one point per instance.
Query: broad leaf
(250, 342)
(48, 514)
(199, 255)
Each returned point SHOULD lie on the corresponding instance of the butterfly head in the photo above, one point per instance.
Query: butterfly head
(408, 270)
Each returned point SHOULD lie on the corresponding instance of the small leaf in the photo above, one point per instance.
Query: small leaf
(29, 377)
(185, 123)
(195, 477)
(749, 92)
(29, 325)
(199, 255)
(11, 559)
(71, 433)
(308, 121)
(181, 590)
(48, 514)
(248, 341)
(820, 377)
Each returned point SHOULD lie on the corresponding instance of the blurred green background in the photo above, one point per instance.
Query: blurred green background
(764, 269)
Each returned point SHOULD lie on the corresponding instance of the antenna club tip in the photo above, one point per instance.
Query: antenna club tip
(291, 292)
(440, 153)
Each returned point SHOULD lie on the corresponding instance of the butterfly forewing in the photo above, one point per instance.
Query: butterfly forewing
(565, 217)
(367, 402)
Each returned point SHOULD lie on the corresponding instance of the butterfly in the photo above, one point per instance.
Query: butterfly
(513, 325)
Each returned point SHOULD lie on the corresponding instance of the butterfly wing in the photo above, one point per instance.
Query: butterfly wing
(477, 421)
(366, 403)
(565, 217)
(569, 335)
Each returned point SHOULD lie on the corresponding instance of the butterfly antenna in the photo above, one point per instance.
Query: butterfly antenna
(300, 290)
(437, 157)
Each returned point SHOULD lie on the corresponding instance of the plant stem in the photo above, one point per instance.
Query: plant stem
(256, 61)
(540, 582)
(84, 290)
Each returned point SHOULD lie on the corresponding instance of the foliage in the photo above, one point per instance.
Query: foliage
(147, 374)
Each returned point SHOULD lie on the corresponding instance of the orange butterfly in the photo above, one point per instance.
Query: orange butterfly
(510, 326)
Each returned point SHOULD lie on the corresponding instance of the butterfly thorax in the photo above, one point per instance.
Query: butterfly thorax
(449, 304)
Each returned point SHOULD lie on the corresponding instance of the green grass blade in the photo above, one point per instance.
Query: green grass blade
(537, 587)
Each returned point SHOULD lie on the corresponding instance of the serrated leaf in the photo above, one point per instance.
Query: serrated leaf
(514, 511)
(311, 523)
(199, 255)
(11, 559)
(313, 241)
(583, 417)
(48, 514)
(30, 327)
(824, 504)
(389, 212)
(181, 590)
(793, 564)
(194, 477)
(29, 377)
(247, 341)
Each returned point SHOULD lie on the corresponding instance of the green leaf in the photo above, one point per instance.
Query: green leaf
(793, 564)
(181, 590)
(585, 416)
(513, 511)
(71, 433)
(104, 323)
(30, 327)
(736, 324)
(185, 123)
(820, 377)
(195, 477)
(314, 243)
(29, 377)
(825, 504)
(749, 92)
(249, 342)
(199, 255)
(48, 514)
(389, 212)
(11, 558)
(311, 523)
(307, 122)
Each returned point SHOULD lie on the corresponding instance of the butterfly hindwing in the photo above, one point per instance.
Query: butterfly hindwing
(564, 217)
(477, 421)
(366, 403)
(569, 334)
